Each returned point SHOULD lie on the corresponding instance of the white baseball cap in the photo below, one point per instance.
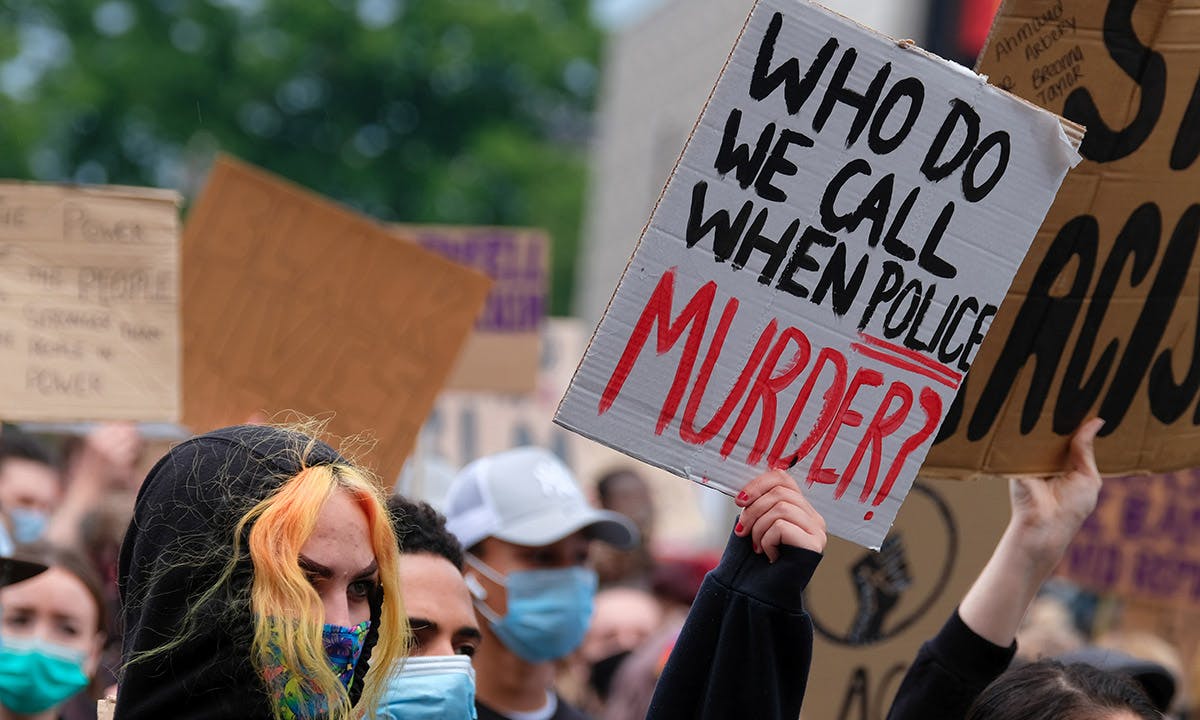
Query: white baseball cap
(528, 497)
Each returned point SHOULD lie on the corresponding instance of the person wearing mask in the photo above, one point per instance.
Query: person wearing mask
(259, 580)
(30, 488)
(627, 493)
(978, 641)
(527, 528)
(52, 630)
(437, 681)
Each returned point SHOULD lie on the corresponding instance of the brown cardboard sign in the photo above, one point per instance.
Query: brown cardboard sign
(1142, 541)
(501, 355)
(293, 303)
(89, 303)
(871, 611)
(1102, 317)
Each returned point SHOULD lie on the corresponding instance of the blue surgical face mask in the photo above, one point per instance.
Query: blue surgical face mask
(548, 610)
(430, 688)
(27, 525)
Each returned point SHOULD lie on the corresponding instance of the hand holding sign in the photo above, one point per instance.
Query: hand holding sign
(1047, 512)
(775, 512)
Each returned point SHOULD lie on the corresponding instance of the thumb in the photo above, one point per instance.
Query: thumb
(1021, 489)
(1082, 456)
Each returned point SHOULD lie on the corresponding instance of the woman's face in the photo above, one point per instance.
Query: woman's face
(340, 562)
(55, 608)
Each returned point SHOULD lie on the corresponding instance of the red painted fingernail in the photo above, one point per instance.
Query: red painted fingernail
(755, 546)
(742, 496)
(738, 528)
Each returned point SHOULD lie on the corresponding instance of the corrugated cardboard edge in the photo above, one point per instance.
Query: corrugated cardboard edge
(131, 192)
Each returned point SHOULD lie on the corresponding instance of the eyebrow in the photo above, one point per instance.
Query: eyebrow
(309, 565)
(466, 631)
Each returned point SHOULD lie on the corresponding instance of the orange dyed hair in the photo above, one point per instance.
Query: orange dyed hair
(286, 608)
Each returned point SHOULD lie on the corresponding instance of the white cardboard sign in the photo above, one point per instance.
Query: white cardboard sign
(821, 267)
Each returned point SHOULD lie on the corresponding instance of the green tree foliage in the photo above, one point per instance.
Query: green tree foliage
(448, 111)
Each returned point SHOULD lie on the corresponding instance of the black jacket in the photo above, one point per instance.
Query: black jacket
(949, 672)
(745, 649)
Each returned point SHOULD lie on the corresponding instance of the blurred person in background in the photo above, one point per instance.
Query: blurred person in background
(527, 529)
(259, 580)
(626, 492)
(30, 488)
(437, 681)
(1152, 648)
(52, 630)
(100, 468)
(1047, 630)
(623, 619)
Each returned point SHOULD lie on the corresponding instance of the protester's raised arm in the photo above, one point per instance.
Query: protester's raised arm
(1046, 514)
(978, 641)
(745, 649)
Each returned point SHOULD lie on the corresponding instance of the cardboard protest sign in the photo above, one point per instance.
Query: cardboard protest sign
(821, 267)
(1102, 317)
(1141, 541)
(871, 611)
(293, 303)
(465, 426)
(501, 355)
(89, 303)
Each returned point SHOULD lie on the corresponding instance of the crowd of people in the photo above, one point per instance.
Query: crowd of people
(254, 572)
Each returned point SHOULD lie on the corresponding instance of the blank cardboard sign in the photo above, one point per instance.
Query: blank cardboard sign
(89, 303)
(293, 303)
(501, 355)
(821, 267)
(1102, 317)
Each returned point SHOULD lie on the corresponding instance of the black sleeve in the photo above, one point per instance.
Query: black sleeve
(948, 674)
(745, 648)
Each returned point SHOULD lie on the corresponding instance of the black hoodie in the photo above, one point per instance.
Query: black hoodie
(176, 548)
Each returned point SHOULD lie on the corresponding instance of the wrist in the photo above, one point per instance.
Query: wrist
(1032, 553)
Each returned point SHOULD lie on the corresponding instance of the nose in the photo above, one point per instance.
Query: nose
(337, 609)
(439, 646)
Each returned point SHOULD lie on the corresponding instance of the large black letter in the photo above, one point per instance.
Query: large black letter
(1146, 68)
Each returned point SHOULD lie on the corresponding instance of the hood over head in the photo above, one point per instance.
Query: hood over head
(175, 551)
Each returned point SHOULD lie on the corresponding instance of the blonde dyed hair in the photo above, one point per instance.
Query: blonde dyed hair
(288, 612)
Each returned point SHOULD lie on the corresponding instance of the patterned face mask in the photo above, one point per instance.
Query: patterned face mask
(295, 696)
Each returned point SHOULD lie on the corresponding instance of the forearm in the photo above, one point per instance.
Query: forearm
(84, 492)
(996, 603)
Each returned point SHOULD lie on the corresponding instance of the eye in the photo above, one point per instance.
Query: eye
(467, 649)
(361, 589)
(16, 619)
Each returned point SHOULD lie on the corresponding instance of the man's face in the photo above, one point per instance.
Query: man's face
(438, 605)
(505, 557)
(28, 485)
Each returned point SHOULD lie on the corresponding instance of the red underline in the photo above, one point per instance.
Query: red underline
(903, 364)
(928, 362)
